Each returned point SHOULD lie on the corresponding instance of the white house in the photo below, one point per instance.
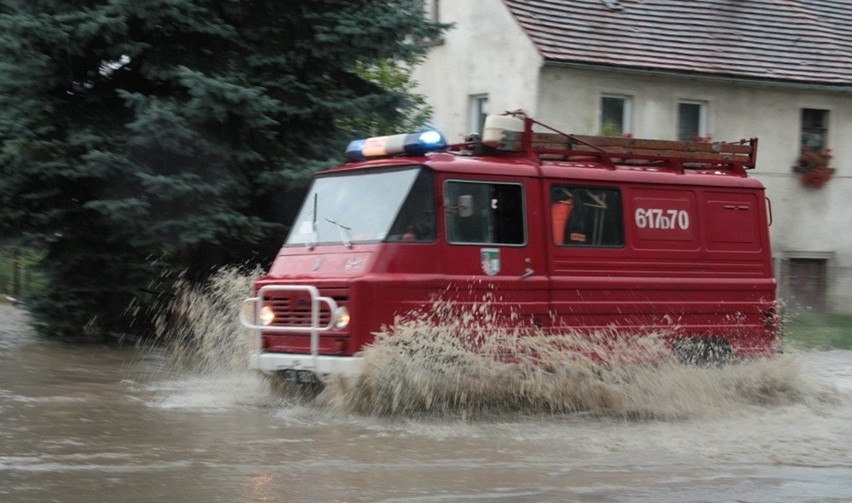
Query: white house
(726, 69)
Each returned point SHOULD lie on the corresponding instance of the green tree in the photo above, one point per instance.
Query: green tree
(394, 75)
(141, 139)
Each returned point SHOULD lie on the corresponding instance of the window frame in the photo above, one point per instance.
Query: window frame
(820, 130)
(450, 207)
(701, 129)
(432, 10)
(567, 244)
(432, 14)
(626, 113)
(477, 112)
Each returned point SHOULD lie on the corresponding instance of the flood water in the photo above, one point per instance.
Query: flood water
(97, 423)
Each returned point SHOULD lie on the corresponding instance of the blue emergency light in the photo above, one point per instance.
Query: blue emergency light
(413, 144)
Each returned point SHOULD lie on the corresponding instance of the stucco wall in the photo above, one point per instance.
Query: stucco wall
(485, 53)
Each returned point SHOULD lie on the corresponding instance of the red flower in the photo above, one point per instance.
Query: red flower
(817, 177)
(814, 167)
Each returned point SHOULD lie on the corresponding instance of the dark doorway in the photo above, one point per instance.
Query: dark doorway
(808, 284)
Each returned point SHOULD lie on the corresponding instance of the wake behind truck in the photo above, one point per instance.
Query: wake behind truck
(572, 232)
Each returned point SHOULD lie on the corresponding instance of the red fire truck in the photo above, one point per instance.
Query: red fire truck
(582, 232)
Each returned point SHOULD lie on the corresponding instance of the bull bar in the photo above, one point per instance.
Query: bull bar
(279, 363)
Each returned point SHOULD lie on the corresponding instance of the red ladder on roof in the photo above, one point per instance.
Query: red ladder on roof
(671, 154)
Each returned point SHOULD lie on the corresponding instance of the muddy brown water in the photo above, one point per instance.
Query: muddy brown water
(97, 423)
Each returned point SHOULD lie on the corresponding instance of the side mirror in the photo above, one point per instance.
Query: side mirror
(465, 206)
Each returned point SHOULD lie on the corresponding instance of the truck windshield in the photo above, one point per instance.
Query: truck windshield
(367, 206)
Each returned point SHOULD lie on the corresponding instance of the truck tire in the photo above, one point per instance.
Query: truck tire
(704, 352)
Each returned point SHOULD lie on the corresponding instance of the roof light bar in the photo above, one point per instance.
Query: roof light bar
(412, 144)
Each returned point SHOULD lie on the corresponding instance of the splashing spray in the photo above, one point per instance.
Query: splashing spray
(462, 361)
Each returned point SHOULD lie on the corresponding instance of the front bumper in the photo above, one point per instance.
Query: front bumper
(321, 366)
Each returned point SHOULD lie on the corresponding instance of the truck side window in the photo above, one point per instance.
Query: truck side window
(586, 216)
(484, 213)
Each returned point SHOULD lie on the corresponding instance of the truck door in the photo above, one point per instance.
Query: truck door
(587, 243)
(493, 243)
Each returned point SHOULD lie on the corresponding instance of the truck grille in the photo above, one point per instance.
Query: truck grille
(293, 309)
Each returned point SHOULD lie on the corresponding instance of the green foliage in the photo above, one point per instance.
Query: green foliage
(610, 129)
(141, 139)
(819, 330)
(19, 277)
(395, 77)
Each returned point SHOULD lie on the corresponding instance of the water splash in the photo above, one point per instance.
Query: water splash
(201, 327)
(451, 360)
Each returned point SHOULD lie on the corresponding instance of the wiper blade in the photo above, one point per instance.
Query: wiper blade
(344, 232)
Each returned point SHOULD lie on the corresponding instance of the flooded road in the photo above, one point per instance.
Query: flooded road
(95, 423)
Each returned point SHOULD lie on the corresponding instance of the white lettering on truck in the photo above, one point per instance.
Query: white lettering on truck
(658, 218)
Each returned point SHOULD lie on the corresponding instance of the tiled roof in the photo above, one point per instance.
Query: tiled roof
(799, 41)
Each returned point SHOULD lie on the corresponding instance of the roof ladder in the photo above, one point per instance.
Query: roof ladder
(514, 132)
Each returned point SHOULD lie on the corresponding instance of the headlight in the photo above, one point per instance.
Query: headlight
(266, 315)
(341, 317)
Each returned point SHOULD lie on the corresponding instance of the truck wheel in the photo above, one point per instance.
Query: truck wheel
(287, 387)
(709, 351)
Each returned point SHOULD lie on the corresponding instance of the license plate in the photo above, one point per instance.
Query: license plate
(298, 376)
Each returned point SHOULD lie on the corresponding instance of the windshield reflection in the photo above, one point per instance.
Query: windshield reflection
(367, 206)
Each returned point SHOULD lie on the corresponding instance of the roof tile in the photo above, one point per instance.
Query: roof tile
(801, 41)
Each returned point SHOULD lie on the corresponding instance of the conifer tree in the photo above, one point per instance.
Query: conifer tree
(140, 139)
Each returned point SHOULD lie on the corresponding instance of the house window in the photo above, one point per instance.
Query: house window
(807, 283)
(586, 216)
(432, 8)
(814, 129)
(484, 213)
(432, 14)
(478, 112)
(615, 115)
(691, 120)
